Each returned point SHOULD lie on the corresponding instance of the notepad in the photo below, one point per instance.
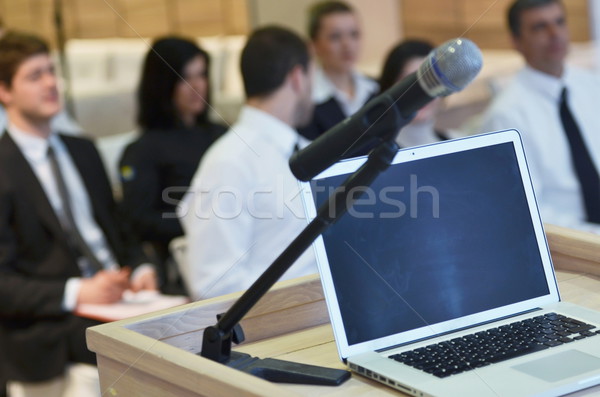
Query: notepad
(132, 304)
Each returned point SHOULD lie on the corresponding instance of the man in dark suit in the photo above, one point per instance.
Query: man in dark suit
(61, 242)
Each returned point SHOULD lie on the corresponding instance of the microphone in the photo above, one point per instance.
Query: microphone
(448, 68)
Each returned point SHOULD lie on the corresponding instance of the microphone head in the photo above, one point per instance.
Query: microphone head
(450, 67)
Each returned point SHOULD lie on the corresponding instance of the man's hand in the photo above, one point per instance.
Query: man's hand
(145, 279)
(106, 286)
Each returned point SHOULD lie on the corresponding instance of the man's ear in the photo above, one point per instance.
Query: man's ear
(5, 94)
(297, 77)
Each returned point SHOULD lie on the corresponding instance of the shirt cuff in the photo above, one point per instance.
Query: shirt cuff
(72, 288)
(142, 269)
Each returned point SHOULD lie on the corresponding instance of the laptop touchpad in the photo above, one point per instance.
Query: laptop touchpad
(560, 366)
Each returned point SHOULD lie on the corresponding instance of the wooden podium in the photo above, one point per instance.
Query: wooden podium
(155, 355)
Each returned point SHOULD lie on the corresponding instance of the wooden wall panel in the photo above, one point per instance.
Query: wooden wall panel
(18, 14)
(236, 17)
(145, 18)
(128, 18)
(432, 19)
(199, 18)
(95, 19)
(483, 21)
(579, 19)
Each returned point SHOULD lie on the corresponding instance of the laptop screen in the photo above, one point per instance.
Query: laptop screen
(433, 239)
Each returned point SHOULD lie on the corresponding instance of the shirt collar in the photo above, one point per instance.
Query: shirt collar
(324, 89)
(547, 84)
(270, 128)
(33, 147)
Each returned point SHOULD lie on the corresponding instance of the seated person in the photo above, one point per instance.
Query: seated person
(404, 59)
(339, 90)
(244, 206)
(61, 241)
(156, 170)
(555, 108)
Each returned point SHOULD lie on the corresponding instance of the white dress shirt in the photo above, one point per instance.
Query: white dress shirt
(324, 89)
(243, 208)
(531, 105)
(35, 150)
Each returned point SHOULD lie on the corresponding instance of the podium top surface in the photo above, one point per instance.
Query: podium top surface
(156, 354)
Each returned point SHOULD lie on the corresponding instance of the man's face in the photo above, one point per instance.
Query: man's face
(33, 93)
(544, 38)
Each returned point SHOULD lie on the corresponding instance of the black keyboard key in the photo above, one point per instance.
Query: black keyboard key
(580, 328)
(498, 344)
(552, 343)
(552, 336)
(442, 373)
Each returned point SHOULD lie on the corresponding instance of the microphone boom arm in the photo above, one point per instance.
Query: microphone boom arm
(217, 339)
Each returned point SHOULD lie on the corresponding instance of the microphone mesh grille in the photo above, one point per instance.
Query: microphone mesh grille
(450, 67)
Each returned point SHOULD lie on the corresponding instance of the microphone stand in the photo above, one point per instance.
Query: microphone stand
(217, 339)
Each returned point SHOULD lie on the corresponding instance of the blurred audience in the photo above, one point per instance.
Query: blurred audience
(157, 169)
(61, 240)
(244, 205)
(555, 107)
(339, 89)
(404, 59)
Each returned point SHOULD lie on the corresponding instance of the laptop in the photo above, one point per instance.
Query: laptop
(439, 280)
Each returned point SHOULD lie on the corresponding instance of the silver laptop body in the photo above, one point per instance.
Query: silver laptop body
(448, 242)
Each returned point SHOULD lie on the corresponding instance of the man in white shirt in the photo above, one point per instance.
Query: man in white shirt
(244, 205)
(61, 241)
(534, 103)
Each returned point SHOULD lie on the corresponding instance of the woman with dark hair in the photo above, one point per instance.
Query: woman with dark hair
(157, 169)
(404, 59)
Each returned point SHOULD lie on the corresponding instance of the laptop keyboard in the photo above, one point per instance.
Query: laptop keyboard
(496, 344)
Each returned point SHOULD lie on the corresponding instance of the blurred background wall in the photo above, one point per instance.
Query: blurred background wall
(105, 42)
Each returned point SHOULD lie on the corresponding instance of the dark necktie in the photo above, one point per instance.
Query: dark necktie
(582, 161)
(87, 261)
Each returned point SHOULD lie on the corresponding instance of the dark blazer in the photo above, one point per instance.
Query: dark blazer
(37, 338)
(325, 116)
